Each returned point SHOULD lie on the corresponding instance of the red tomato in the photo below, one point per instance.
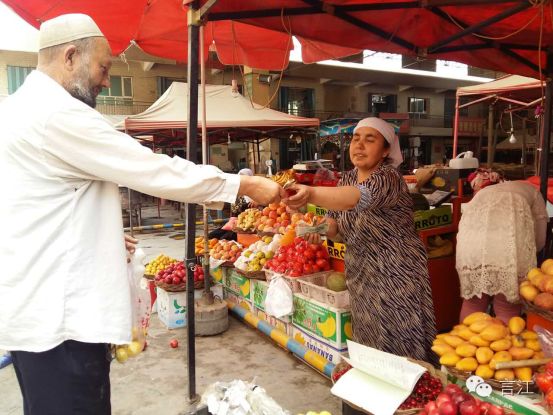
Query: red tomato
(549, 368)
(295, 274)
(309, 253)
(321, 253)
(544, 382)
(176, 280)
(307, 268)
(298, 240)
(322, 263)
(315, 268)
(282, 257)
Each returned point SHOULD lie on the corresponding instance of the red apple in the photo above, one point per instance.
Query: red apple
(485, 408)
(452, 389)
(430, 406)
(496, 410)
(447, 408)
(469, 408)
(174, 343)
(443, 397)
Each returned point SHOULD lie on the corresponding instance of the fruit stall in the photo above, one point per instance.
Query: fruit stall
(479, 358)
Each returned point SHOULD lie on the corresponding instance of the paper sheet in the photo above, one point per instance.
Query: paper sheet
(379, 382)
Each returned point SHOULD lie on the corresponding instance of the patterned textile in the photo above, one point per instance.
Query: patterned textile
(386, 267)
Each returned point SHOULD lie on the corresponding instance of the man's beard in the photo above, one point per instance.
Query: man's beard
(80, 88)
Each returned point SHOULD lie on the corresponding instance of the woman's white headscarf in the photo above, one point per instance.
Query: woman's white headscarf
(245, 172)
(388, 132)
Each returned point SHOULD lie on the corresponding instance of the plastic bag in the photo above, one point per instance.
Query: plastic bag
(545, 337)
(240, 398)
(280, 300)
(141, 308)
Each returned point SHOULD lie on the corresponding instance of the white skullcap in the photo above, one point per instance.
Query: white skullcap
(245, 172)
(388, 132)
(66, 28)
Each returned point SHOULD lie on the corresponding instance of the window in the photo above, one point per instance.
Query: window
(417, 105)
(297, 101)
(119, 92)
(16, 76)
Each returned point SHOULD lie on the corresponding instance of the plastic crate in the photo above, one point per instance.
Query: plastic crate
(314, 286)
(293, 282)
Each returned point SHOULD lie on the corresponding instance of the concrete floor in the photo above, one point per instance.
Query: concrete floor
(155, 382)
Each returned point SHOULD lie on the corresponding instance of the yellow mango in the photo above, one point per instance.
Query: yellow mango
(523, 373)
(538, 280)
(479, 325)
(484, 371)
(539, 355)
(528, 292)
(503, 356)
(477, 340)
(459, 327)
(450, 359)
(441, 349)
(438, 341)
(529, 335)
(521, 353)
(484, 355)
(546, 266)
(453, 341)
(468, 364)
(441, 336)
(525, 283)
(517, 341)
(494, 332)
(466, 350)
(504, 374)
(517, 325)
(534, 345)
(465, 333)
(532, 273)
(471, 318)
(499, 345)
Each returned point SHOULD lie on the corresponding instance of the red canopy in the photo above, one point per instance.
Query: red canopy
(505, 35)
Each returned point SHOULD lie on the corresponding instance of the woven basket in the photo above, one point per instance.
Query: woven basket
(548, 315)
(149, 276)
(431, 369)
(239, 230)
(172, 287)
(253, 275)
(516, 386)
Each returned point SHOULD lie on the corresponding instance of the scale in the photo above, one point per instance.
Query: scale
(269, 164)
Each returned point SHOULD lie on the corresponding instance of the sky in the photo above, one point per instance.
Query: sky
(18, 35)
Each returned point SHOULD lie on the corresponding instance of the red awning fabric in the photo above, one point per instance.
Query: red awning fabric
(257, 33)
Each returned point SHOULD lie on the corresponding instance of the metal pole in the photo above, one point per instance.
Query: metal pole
(130, 211)
(191, 151)
(342, 152)
(490, 136)
(546, 132)
(456, 127)
(523, 150)
(208, 295)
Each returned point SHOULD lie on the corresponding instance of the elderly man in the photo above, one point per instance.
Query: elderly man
(63, 290)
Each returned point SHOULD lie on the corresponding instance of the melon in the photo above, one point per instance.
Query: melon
(336, 282)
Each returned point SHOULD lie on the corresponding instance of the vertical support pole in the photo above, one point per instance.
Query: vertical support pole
(130, 211)
(456, 127)
(342, 152)
(523, 150)
(490, 136)
(190, 208)
(546, 132)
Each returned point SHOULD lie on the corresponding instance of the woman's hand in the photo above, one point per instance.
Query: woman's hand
(312, 238)
(297, 196)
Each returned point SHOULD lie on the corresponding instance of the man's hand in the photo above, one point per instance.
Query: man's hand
(130, 244)
(261, 190)
(299, 196)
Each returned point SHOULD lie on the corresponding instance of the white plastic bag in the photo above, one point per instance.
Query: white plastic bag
(280, 300)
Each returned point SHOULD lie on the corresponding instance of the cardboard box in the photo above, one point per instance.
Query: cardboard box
(237, 283)
(232, 297)
(280, 324)
(317, 210)
(447, 179)
(309, 342)
(335, 250)
(525, 404)
(327, 324)
(171, 307)
(217, 274)
(259, 294)
(427, 219)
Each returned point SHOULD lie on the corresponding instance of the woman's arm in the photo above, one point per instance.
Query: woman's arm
(333, 198)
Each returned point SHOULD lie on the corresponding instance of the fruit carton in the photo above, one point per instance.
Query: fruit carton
(315, 287)
(330, 353)
(259, 295)
(237, 283)
(323, 322)
(217, 274)
(336, 250)
(427, 219)
(282, 324)
(317, 210)
(521, 403)
(171, 306)
(293, 282)
(231, 297)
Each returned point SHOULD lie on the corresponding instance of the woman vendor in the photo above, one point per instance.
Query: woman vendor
(385, 262)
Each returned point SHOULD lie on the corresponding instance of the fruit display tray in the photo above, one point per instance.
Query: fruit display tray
(149, 276)
(314, 286)
(548, 315)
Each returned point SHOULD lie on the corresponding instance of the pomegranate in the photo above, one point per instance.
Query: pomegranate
(496, 410)
(452, 389)
(469, 407)
(447, 408)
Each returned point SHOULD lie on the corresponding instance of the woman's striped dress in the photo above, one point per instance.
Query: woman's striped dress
(386, 267)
